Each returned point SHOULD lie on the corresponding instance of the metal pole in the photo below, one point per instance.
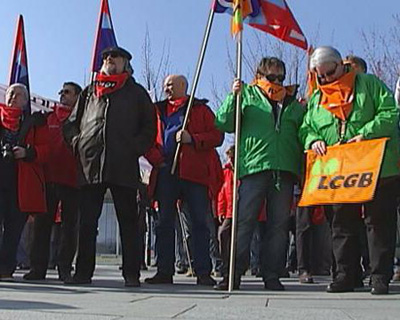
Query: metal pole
(236, 165)
(195, 83)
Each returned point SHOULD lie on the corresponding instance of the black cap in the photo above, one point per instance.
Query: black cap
(117, 51)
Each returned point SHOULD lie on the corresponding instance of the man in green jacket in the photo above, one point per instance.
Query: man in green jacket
(347, 108)
(270, 157)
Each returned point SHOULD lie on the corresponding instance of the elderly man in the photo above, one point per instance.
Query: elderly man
(191, 181)
(112, 124)
(24, 150)
(61, 179)
(364, 109)
(269, 163)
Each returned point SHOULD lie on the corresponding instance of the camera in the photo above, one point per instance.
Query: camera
(7, 152)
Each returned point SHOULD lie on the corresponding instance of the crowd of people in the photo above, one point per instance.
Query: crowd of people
(60, 165)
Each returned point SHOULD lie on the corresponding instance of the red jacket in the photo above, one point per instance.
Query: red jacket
(194, 160)
(62, 165)
(31, 179)
(225, 196)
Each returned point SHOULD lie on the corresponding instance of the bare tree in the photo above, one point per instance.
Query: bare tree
(153, 73)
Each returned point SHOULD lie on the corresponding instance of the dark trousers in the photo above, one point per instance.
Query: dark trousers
(253, 191)
(13, 221)
(224, 237)
(304, 239)
(380, 219)
(43, 224)
(169, 189)
(125, 204)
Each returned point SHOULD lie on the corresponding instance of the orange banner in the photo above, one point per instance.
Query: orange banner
(348, 173)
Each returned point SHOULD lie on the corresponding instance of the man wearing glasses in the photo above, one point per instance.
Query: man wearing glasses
(349, 107)
(270, 157)
(61, 193)
(113, 123)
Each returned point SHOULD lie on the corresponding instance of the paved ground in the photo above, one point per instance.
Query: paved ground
(107, 299)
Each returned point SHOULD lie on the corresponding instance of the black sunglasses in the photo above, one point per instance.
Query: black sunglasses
(112, 55)
(329, 73)
(64, 91)
(274, 77)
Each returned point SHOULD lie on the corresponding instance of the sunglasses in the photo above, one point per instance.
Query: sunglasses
(329, 73)
(112, 55)
(64, 91)
(274, 77)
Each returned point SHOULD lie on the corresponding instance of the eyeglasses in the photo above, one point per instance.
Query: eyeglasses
(329, 73)
(64, 91)
(112, 55)
(274, 77)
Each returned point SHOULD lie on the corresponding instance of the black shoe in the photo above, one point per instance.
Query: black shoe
(63, 274)
(223, 285)
(34, 275)
(159, 278)
(181, 270)
(274, 284)
(205, 280)
(132, 282)
(339, 286)
(379, 286)
(77, 280)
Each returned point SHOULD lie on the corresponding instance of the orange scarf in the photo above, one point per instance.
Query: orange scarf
(273, 91)
(337, 97)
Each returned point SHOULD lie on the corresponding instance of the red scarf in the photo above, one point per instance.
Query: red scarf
(10, 117)
(105, 84)
(62, 112)
(174, 105)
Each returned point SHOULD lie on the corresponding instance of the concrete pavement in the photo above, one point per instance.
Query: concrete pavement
(107, 299)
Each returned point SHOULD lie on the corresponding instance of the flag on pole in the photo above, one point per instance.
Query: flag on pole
(105, 36)
(271, 16)
(19, 60)
(241, 9)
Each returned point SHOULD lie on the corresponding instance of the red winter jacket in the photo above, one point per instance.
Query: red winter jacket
(194, 160)
(31, 179)
(62, 165)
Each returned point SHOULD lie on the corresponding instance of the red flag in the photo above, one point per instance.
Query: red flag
(105, 36)
(19, 60)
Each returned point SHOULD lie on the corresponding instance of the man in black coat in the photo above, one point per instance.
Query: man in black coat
(112, 125)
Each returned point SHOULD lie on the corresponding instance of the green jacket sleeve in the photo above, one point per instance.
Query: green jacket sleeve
(307, 133)
(386, 112)
(225, 116)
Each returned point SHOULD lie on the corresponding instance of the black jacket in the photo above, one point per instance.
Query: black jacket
(110, 133)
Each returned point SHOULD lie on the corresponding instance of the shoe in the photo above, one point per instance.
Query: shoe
(190, 273)
(6, 277)
(181, 270)
(274, 284)
(305, 277)
(223, 285)
(77, 280)
(339, 286)
(379, 286)
(63, 274)
(159, 278)
(205, 280)
(34, 275)
(132, 282)
(254, 271)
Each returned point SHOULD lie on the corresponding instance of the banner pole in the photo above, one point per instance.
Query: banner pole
(238, 117)
(195, 83)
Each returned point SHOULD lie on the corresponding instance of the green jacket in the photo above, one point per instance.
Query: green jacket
(374, 115)
(264, 143)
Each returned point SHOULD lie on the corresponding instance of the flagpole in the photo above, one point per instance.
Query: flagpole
(195, 83)
(238, 116)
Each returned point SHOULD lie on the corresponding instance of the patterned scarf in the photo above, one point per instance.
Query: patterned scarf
(105, 84)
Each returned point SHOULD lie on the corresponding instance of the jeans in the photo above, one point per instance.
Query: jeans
(169, 189)
(277, 189)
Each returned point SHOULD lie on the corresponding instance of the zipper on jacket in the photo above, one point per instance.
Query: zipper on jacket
(279, 107)
(103, 154)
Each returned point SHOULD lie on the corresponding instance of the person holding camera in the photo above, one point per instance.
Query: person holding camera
(24, 150)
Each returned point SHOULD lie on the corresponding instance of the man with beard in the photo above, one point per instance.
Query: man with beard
(112, 124)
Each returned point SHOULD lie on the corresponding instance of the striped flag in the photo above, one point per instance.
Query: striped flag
(19, 60)
(105, 36)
